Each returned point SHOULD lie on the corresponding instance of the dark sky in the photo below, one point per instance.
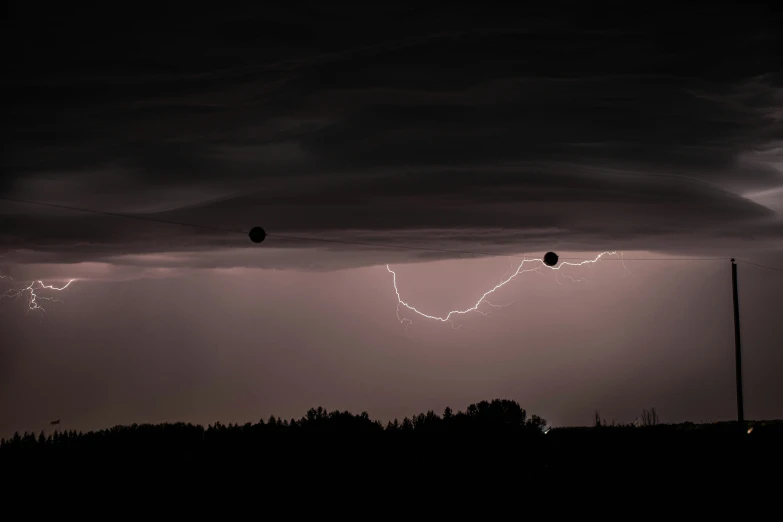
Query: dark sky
(655, 133)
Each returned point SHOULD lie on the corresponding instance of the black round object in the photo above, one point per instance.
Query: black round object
(550, 259)
(257, 234)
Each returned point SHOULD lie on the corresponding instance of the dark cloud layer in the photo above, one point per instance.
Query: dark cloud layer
(462, 128)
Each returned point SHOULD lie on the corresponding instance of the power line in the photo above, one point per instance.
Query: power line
(762, 266)
(330, 240)
(478, 253)
(384, 245)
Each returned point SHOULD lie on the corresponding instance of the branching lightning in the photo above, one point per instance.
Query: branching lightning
(539, 264)
(31, 295)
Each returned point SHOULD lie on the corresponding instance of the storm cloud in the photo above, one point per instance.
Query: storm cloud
(503, 131)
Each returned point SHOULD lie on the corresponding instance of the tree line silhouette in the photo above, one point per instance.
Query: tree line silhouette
(334, 436)
(488, 438)
(499, 416)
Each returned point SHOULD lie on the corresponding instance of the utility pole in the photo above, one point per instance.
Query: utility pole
(737, 345)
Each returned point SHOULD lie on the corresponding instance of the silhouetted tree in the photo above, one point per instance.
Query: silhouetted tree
(649, 417)
(447, 414)
(537, 422)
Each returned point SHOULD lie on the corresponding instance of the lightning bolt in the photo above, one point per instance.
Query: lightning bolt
(29, 292)
(539, 264)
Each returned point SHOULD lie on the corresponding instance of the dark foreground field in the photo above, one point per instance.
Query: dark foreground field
(490, 443)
